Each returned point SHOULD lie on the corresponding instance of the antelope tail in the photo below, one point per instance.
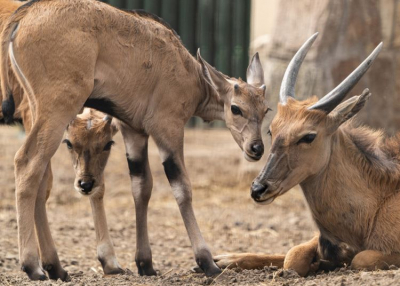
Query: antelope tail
(8, 35)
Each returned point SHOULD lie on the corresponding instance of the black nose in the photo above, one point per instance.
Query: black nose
(86, 186)
(257, 190)
(258, 149)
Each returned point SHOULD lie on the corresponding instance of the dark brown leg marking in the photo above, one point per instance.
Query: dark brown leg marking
(203, 256)
(171, 169)
(138, 168)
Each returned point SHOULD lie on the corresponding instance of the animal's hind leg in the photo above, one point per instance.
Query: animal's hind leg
(48, 252)
(31, 162)
(31, 264)
(170, 145)
(142, 184)
(374, 260)
(55, 101)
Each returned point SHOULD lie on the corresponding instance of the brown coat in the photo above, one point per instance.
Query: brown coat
(134, 68)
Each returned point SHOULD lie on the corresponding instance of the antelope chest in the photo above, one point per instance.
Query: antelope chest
(339, 219)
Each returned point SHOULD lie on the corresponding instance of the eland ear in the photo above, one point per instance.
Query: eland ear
(348, 109)
(70, 124)
(255, 72)
(213, 77)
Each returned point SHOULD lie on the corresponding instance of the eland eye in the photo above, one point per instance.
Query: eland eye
(307, 138)
(108, 146)
(236, 110)
(269, 132)
(69, 145)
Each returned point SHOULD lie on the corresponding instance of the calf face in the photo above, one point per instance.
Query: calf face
(245, 105)
(89, 141)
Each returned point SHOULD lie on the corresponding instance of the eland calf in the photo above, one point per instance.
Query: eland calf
(350, 177)
(89, 140)
(85, 136)
(136, 70)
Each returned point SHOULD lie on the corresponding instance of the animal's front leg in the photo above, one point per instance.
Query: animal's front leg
(303, 258)
(105, 248)
(249, 261)
(142, 185)
(174, 167)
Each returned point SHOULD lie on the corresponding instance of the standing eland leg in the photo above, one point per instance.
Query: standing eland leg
(52, 107)
(48, 252)
(31, 162)
(142, 185)
(171, 151)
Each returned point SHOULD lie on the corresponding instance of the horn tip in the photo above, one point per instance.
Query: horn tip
(376, 51)
(313, 37)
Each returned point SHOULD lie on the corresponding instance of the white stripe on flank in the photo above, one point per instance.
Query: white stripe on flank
(22, 78)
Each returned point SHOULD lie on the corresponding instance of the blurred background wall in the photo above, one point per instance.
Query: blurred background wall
(349, 31)
(228, 31)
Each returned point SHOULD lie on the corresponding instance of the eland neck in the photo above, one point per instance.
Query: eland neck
(210, 106)
(346, 195)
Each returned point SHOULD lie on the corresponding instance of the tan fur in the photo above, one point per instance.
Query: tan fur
(351, 160)
(301, 258)
(152, 85)
(88, 137)
(249, 260)
(102, 131)
(7, 7)
(350, 177)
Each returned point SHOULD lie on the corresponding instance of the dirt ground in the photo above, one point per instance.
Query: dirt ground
(227, 216)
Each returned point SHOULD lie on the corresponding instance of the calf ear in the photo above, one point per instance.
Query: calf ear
(70, 124)
(213, 77)
(255, 72)
(347, 109)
